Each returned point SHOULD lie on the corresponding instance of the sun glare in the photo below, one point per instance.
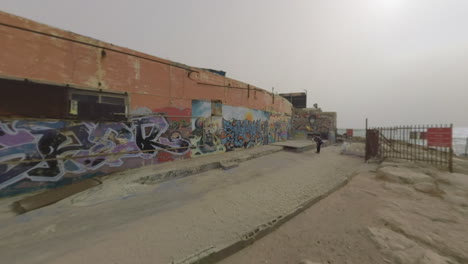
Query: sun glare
(391, 4)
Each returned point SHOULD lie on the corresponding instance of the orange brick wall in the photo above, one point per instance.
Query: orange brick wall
(74, 149)
(150, 81)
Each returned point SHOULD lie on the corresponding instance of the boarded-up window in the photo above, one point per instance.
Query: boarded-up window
(93, 105)
(26, 99)
(19, 98)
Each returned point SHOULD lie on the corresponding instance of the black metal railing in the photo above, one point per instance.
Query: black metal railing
(425, 143)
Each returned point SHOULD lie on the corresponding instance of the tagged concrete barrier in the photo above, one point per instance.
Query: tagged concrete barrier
(52, 196)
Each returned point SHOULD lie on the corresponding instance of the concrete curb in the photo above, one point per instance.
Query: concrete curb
(169, 174)
(300, 150)
(52, 196)
(262, 230)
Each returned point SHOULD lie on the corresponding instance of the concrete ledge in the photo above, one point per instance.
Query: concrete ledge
(297, 145)
(262, 230)
(299, 150)
(165, 175)
(228, 162)
(226, 165)
(52, 196)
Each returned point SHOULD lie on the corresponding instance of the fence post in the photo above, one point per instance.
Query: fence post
(273, 94)
(451, 151)
(366, 146)
(466, 147)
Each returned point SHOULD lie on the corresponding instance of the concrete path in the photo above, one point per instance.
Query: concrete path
(134, 181)
(376, 220)
(177, 221)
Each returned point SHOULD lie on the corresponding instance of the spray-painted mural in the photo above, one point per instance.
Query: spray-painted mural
(325, 122)
(304, 120)
(45, 152)
(206, 128)
(244, 133)
(314, 121)
(224, 129)
(232, 127)
(244, 128)
(280, 126)
(38, 154)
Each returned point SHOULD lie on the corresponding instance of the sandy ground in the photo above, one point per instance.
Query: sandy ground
(175, 221)
(402, 213)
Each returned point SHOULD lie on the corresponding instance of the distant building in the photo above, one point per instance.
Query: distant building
(298, 100)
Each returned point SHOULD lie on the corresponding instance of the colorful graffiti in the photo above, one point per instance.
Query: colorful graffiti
(239, 127)
(242, 113)
(325, 122)
(205, 137)
(244, 127)
(40, 154)
(313, 121)
(244, 133)
(280, 126)
(304, 120)
(206, 128)
(47, 151)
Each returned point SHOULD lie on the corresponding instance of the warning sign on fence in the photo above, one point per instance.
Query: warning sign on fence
(439, 137)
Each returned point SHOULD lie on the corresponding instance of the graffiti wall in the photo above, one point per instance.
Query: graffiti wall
(219, 130)
(206, 128)
(37, 154)
(313, 121)
(304, 120)
(280, 126)
(244, 128)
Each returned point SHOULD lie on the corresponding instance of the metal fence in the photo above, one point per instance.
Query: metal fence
(430, 144)
(460, 146)
(460, 141)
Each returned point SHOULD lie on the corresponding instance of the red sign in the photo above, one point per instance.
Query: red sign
(349, 132)
(439, 137)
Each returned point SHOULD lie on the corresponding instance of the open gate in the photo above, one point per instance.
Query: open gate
(431, 144)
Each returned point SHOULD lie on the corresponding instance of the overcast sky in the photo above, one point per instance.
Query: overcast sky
(394, 61)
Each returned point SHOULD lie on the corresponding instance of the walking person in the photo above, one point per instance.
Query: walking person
(318, 141)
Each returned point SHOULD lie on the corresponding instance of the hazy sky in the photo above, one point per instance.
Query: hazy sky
(394, 61)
